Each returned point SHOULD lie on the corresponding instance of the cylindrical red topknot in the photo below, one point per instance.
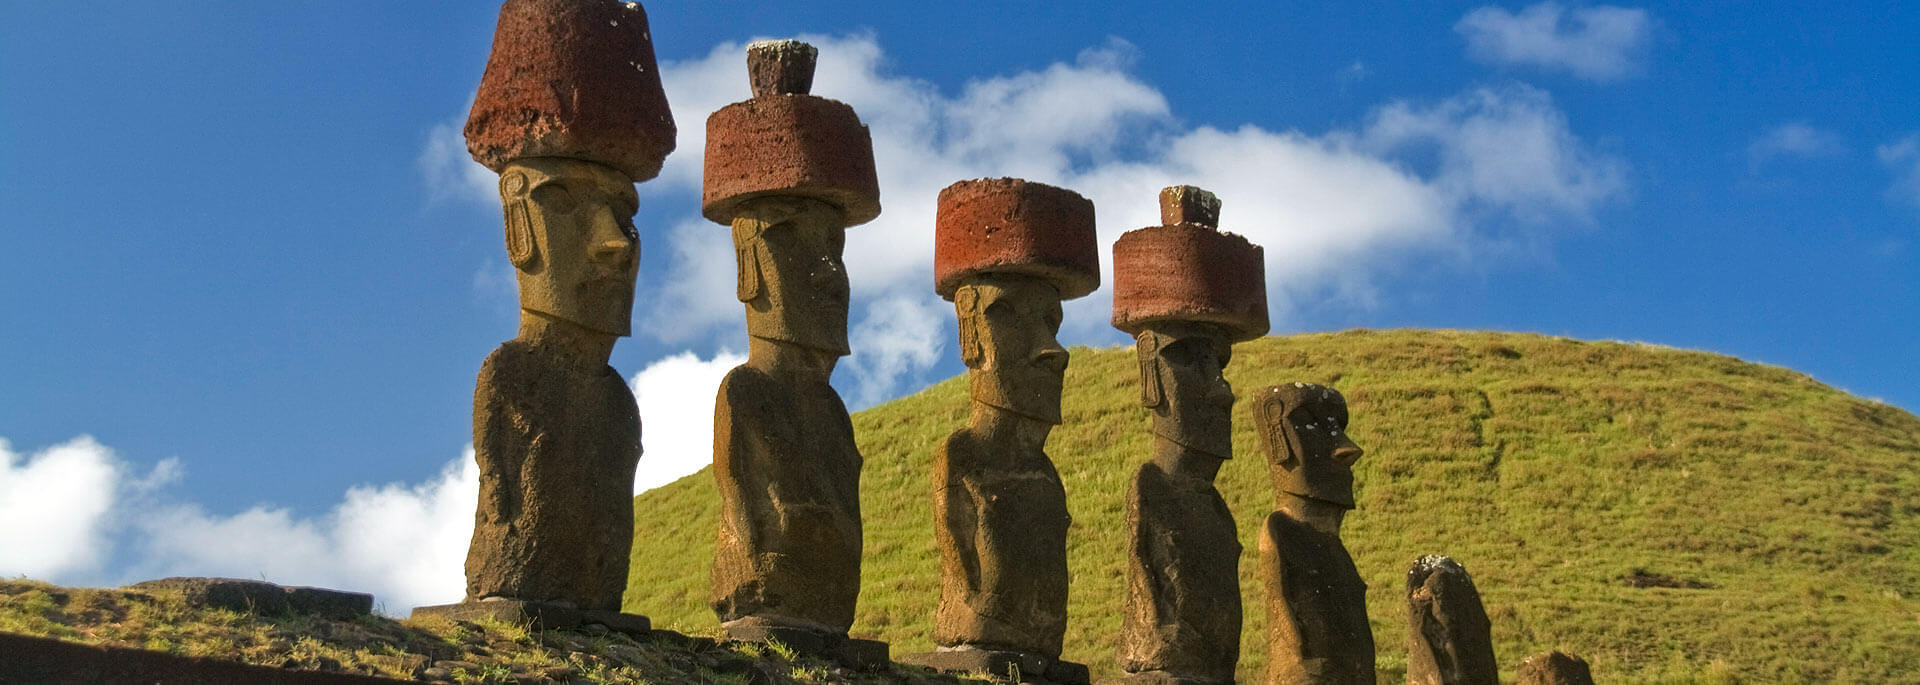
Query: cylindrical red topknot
(575, 79)
(1189, 272)
(780, 67)
(793, 145)
(1007, 225)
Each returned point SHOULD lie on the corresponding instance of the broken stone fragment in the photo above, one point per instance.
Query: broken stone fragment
(1554, 668)
(1009, 225)
(781, 67)
(1450, 641)
(1189, 272)
(574, 79)
(788, 144)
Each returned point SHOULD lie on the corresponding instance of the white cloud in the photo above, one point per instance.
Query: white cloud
(1903, 157)
(1794, 139)
(54, 506)
(449, 171)
(676, 395)
(900, 335)
(1600, 43)
(1464, 176)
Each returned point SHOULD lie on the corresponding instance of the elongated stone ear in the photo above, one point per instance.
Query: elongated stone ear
(1147, 346)
(966, 303)
(517, 200)
(1271, 413)
(746, 259)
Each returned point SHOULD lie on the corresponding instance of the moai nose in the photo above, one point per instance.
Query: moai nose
(1347, 453)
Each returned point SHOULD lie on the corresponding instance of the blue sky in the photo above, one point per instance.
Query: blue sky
(251, 273)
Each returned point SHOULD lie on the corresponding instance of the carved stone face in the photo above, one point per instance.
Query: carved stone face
(1008, 325)
(1304, 428)
(1181, 377)
(570, 236)
(791, 276)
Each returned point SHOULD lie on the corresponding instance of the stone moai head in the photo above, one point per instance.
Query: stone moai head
(571, 114)
(1187, 292)
(790, 171)
(1006, 252)
(1304, 428)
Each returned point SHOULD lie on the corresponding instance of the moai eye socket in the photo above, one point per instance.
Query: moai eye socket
(555, 197)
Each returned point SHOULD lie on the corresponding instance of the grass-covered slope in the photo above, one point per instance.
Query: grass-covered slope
(1673, 516)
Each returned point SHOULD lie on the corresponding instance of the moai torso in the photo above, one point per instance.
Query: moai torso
(788, 172)
(1186, 292)
(555, 430)
(1317, 629)
(1007, 252)
(1450, 639)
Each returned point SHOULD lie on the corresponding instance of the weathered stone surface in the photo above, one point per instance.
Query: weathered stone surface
(788, 145)
(555, 429)
(1189, 205)
(262, 597)
(1013, 226)
(828, 644)
(45, 661)
(1317, 630)
(780, 67)
(1554, 668)
(1189, 272)
(574, 79)
(788, 549)
(1181, 621)
(1451, 639)
(545, 615)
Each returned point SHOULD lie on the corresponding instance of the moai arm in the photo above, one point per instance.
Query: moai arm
(956, 502)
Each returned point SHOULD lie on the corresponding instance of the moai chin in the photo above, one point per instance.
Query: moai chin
(1186, 292)
(1006, 253)
(570, 113)
(1450, 641)
(789, 172)
(1317, 630)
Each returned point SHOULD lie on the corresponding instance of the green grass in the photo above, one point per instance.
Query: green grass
(1553, 469)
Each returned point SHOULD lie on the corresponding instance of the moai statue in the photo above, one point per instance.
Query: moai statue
(1317, 631)
(1006, 252)
(789, 172)
(1554, 668)
(1451, 640)
(571, 114)
(1187, 292)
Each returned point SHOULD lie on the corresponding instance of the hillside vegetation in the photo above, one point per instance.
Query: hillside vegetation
(1673, 516)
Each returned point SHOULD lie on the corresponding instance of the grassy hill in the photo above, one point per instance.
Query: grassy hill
(1673, 516)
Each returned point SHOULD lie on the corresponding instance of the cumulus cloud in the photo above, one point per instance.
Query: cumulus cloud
(56, 506)
(1903, 158)
(676, 409)
(1794, 139)
(1462, 176)
(1599, 43)
(450, 173)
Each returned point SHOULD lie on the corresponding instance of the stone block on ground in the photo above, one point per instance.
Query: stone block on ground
(1032, 668)
(853, 653)
(1554, 668)
(544, 615)
(261, 597)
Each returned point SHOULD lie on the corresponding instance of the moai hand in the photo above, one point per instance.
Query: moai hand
(571, 114)
(1450, 641)
(1317, 630)
(1006, 252)
(1186, 292)
(789, 172)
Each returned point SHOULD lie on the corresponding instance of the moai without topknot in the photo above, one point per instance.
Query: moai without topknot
(1317, 630)
(1554, 668)
(789, 172)
(570, 113)
(1006, 253)
(1186, 292)
(1450, 641)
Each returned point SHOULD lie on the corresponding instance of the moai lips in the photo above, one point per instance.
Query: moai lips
(574, 79)
(1012, 226)
(1189, 271)
(786, 142)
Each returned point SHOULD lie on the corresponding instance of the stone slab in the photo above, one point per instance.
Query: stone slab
(1033, 668)
(853, 653)
(46, 661)
(1160, 678)
(261, 597)
(545, 615)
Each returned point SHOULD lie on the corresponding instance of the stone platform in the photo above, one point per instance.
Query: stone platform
(543, 615)
(259, 597)
(852, 652)
(1030, 669)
